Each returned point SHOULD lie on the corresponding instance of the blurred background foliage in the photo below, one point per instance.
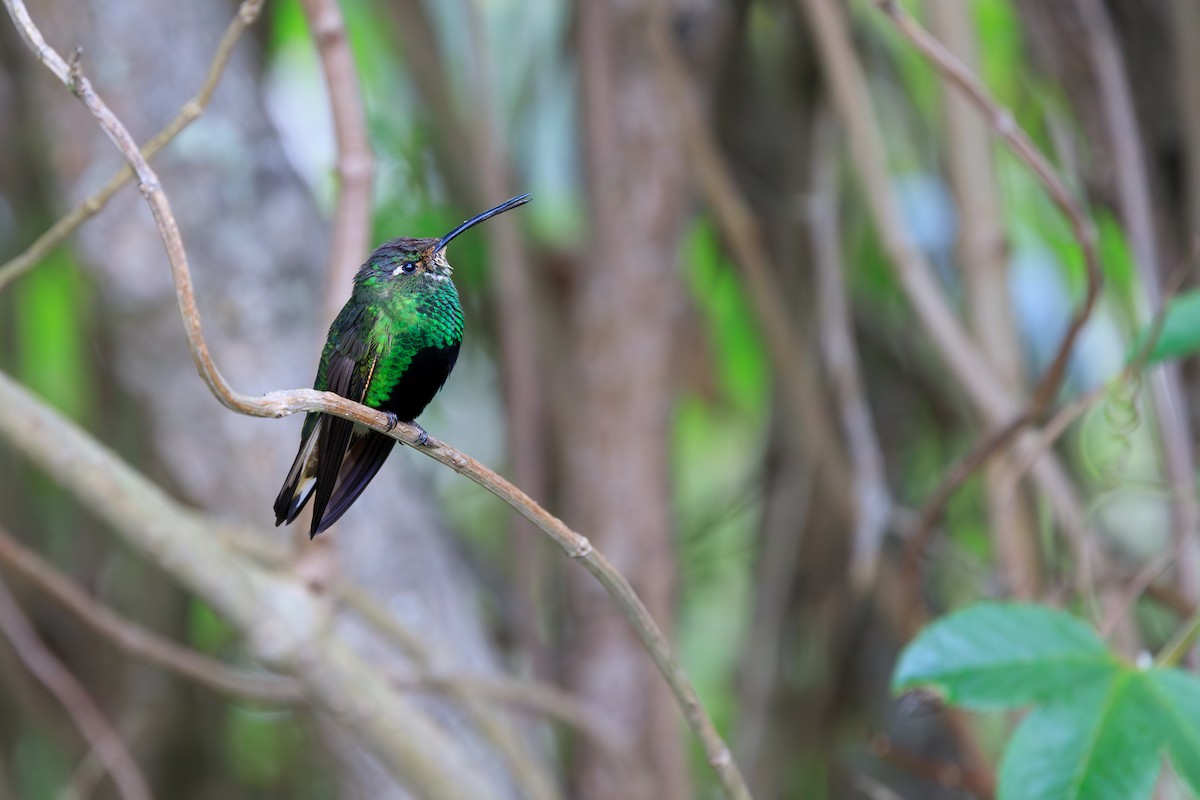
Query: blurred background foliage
(725, 445)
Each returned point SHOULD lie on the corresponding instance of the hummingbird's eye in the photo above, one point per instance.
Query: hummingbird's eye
(408, 268)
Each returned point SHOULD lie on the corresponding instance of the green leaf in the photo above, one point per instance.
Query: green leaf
(1180, 333)
(1098, 743)
(1178, 699)
(1003, 655)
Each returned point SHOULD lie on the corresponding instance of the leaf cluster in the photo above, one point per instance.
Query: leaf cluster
(1099, 725)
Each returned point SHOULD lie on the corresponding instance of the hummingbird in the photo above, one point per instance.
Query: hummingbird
(391, 347)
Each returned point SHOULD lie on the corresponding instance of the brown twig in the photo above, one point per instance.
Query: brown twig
(995, 401)
(100, 735)
(139, 642)
(282, 403)
(1004, 124)
(17, 266)
(350, 239)
(935, 504)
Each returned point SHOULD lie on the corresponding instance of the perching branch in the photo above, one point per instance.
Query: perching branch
(282, 403)
(351, 235)
(246, 14)
(99, 733)
(138, 642)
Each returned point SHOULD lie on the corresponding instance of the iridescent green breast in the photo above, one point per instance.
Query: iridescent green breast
(407, 324)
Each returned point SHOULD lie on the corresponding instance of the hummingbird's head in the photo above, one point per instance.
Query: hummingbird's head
(410, 259)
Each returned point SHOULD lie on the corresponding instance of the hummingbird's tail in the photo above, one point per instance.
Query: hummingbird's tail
(336, 461)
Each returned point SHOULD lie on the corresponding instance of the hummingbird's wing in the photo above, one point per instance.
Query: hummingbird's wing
(337, 458)
(348, 455)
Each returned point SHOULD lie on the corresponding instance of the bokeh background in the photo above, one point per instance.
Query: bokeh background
(695, 345)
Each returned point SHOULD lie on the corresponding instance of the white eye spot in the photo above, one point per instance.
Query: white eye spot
(396, 271)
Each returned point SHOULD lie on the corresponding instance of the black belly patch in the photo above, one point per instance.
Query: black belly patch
(425, 375)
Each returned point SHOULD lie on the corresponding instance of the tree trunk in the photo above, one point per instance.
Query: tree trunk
(628, 300)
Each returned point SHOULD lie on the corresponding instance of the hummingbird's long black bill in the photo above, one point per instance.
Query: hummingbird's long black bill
(491, 212)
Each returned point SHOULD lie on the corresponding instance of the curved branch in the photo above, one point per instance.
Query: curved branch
(17, 266)
(279, 404)
(1005, 126)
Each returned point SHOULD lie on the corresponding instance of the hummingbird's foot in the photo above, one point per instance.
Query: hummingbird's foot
(422, 436)
(392, 419)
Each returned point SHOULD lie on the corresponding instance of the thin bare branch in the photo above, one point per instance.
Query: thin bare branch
(140, 643)
(100, 735)
(282, 403)
(1005, 126)
(350, 240)
(999, 405)
(246, 14)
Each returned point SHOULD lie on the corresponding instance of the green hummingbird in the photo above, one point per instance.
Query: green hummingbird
(391, 347)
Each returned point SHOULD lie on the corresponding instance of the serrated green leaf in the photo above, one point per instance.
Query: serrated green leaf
(1178, 696)
(1180, 332)
(1098, 743)
(1003, 655)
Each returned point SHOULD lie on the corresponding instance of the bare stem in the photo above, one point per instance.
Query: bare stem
(1005, 126)
(246, 14)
